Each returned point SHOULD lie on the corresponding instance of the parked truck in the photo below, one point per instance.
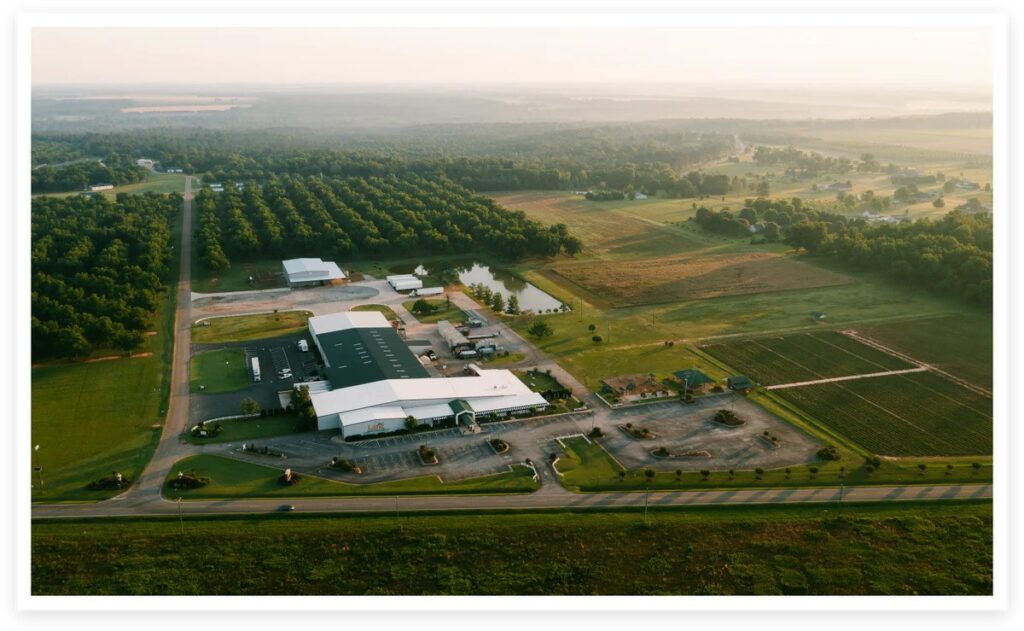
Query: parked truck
(427, 291)
(255, 369)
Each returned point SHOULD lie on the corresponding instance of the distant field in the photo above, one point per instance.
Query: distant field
(222, 370)
(232, 478)
(918, 414)
(673, 279)
(960, 344)
(909, 548)
(249, 327)
(802, 357)
(615, 229)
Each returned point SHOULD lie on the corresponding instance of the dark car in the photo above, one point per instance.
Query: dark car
(285, 508)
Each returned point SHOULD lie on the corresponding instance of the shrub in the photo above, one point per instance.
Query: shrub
(704, 473)
(597, 339)
(661, 451)
(760, 472)
(828, 453)
(649, 474)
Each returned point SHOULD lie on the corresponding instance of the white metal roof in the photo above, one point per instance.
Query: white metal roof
(301, 270)
(491, 390)
(344, 320)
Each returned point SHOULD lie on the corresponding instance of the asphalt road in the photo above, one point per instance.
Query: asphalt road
(145, 497)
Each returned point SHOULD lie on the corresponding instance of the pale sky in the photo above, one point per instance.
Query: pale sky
(799, 56)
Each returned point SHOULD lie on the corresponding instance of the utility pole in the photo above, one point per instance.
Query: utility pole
(647, 497)
(396, 506)
(181, 520)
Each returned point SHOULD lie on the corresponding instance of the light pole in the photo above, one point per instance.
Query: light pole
(39, 468)
(647, 497)
(181, 520)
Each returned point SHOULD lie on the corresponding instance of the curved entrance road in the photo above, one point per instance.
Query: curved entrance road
(145, 498)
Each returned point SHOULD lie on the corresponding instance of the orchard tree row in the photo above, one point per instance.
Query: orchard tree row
(291, 216)
(99, 268)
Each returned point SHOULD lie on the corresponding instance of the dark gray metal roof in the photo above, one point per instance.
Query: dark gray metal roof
(364, 355)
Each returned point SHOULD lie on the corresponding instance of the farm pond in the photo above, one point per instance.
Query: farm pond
(507, 284)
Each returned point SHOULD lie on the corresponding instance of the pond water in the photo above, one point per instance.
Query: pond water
(530, 297)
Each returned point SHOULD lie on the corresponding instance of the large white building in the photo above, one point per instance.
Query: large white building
(377, 383)
(304, 272)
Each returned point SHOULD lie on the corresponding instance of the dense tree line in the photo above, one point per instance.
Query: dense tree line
(767, 216)
(79, 174)
(642, 157)
(952, 255)
(342, 217)
(98, 269)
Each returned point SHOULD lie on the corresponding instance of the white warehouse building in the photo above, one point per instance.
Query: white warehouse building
(376, 382)
(307, 272)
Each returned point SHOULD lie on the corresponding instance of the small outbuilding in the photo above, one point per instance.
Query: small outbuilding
(739, 382)
(694, 380)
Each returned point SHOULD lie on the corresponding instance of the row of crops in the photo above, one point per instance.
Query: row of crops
(913, 414)
(803, 357)
(917, 414)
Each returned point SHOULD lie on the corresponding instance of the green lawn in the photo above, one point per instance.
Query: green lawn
(912, 548)
(266, 274)
(388, 312)
(154, 183)
(537, 381)
(222, 370)
(232, 478)
(92, 418)
(249, 327)
(236, 430)
(444, 311)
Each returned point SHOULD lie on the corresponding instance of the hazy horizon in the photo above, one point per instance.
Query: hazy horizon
(566, 59)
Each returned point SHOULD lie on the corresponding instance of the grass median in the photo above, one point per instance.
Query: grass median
(233, 479)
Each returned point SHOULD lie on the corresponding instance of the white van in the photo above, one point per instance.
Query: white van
(303, 346)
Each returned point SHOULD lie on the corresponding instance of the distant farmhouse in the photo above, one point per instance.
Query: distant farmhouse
(636, 387)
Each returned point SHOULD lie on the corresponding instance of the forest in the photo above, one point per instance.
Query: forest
(490, 158)
(343, 217)
(79, 173)
(98, 270)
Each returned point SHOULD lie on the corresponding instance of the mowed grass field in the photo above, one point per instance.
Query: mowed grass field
(696, 277)
(233, 479)
(916, 414)
(221, 370)
(265, 274)
(912, 548)
(803, 357)
(90, 419)
(249, 327)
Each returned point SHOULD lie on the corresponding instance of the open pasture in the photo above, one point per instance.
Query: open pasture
(918, 414)
(620, 229)
(803, 357)
(676, 278)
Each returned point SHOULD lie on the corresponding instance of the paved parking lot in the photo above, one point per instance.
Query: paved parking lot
(687, 428)
(273, 354)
